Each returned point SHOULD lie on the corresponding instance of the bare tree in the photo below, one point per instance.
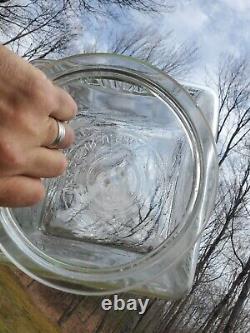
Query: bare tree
(34, 28)
(235, 313)
(219, 276)
(147, 44)
(234, 111)
(140, 5)
(222, 304)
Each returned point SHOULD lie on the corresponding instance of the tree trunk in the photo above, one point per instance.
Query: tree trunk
(238, 306)
(220, 306)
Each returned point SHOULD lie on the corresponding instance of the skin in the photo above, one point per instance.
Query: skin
(30, 106)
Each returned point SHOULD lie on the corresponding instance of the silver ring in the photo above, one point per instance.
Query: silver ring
(60, 135)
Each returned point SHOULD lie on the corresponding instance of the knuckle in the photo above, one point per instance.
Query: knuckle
(32, 85)
(21, 119)
(41, 89)
(48, 100)
(51, 101)
(11, 157)
(6, 111)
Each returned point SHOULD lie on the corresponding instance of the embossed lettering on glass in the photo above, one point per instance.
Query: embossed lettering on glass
(139, 188)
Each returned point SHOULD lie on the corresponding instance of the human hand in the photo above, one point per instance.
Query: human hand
(30, 106)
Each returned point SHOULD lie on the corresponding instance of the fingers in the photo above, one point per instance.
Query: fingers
(66, 110)
(66, 106)
(20, 191)
(51, 133)
(45, 163)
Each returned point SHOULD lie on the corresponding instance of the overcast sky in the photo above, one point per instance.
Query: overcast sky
(215, 26)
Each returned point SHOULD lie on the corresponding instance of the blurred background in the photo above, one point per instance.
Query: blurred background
(204, 42)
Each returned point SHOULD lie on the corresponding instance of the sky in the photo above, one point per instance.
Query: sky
(216, 27)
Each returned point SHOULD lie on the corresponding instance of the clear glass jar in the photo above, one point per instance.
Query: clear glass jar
(140, 185)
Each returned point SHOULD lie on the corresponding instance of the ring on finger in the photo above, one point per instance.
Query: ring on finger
(60, 135)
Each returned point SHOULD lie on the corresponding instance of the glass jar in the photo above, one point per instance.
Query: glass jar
(139, 188)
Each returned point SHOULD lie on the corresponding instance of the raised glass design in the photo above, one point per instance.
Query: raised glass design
(138, 190)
